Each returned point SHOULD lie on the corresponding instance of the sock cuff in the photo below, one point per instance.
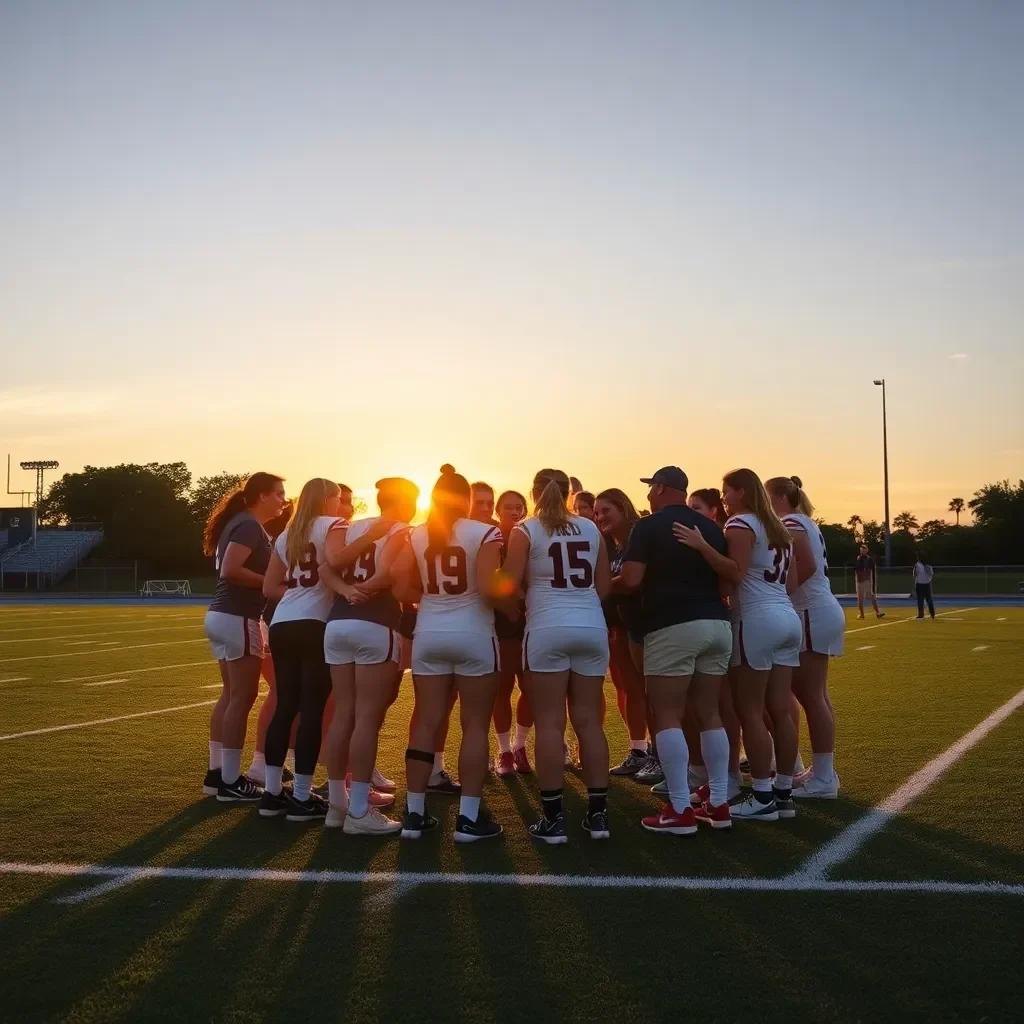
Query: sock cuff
(551, 794)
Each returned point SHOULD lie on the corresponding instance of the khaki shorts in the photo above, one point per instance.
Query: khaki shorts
(704, 645)
(865, 589)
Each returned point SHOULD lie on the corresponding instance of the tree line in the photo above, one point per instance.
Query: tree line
(155, 513)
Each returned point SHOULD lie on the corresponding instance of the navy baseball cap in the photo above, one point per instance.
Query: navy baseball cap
(669, 476)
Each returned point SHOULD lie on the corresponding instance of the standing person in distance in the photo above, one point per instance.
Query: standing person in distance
(302, 601)
(865, 574)
(564, 561)
(687, 646)
(766, 634)
(362, 646)
(235, 537)
(512, 756)
(923, 576)
(616, 516)
(450, 567)
(824, 626)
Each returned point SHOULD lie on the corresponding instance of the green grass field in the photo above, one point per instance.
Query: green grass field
(644, 928)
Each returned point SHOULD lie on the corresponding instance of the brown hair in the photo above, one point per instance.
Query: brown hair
(481, 485)
(551, 496)
(792, 489)
(234, 502)
(749, 482)
(449, 500)
(310, 505)
(712, 497)
(585, 496)
(619, 498)
(510, 494)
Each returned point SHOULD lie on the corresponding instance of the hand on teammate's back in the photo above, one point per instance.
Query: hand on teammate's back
(690, 536)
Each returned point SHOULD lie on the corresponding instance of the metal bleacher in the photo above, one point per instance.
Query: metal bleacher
(51, 554)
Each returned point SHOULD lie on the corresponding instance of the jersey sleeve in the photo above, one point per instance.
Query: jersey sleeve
(248, 532)
(739, 523)
(491, 534)
(792, 523)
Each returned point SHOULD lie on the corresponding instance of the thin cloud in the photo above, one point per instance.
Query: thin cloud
(959, 355)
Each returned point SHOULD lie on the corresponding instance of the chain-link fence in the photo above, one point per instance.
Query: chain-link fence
(949, 579)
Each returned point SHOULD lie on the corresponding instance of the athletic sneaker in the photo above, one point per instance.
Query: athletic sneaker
(382, 783)
(372, 823)
(671, 823)
(651, 772)
(716, 817)
(375, 798)
(323, 791)
(700, 795)
(506, 764)
(881, 615)
(596, 823)
(415, 825)
(550, 832)
(313, 809)
(634, 761)
(484, 827)
(443, 783)
(211, 784)
(785, 805)
(812, 788)
(335, 816)
(661, 789)
(242, 789)
(271, 806)
(749, 807)
(522, 761)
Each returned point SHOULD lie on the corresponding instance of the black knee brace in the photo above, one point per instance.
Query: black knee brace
(419, 755)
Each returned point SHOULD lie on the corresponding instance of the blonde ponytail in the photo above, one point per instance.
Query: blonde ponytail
(551, 497)
(311, 504)
(792, 489)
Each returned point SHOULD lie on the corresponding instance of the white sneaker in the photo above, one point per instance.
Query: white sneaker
(335, 816)
(813, 788)
(372, 823)
(752, 809)
(381, 783)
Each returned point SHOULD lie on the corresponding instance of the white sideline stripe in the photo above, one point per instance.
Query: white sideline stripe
(136, 671)
(908, 618)
(212, 686)
(866, 647)
(105, 721)
(408, 879)
(980, 647)
(93, 643)
(85, 637)
(97, 890)
(107, 682)
(852, 838)
(16, 679)
(78, 654)
(1003, 619)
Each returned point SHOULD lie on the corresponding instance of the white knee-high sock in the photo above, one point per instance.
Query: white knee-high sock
(230, 765)
(714, 746)
(675, 759)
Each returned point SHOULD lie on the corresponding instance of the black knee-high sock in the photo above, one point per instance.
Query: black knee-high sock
(598, 800)
(552, 801)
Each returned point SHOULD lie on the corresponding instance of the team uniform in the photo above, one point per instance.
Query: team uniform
(824, 624)
(565, 625)
(454, 632)
(766, 630)
(234, 622)
(364, 634)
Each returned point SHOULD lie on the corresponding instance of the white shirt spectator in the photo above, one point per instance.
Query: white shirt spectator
(923, 572)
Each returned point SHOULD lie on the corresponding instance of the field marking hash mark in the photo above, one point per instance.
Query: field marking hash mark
(104, 721)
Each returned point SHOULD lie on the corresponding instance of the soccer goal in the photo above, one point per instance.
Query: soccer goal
(160, 588)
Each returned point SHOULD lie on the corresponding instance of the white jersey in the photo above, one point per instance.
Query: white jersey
(764, 584)
(451, 602)
(307, 596)
(815, 590)
(369, 561)
(560, 574)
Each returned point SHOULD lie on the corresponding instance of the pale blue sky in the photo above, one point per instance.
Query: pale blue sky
(341, 239)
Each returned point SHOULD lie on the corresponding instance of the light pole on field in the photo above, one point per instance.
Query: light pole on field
(885, 467)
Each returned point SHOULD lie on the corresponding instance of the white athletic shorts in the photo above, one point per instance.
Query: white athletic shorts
(235, 636)
(438, 652)
(767, 636)
(579, 649)
(824, 629)
(357, 642)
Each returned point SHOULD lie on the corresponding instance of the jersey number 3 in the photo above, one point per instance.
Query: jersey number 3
(576, 552)
(781, 569)
(452, 561)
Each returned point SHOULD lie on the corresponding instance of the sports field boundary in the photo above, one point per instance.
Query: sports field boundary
(105, 721)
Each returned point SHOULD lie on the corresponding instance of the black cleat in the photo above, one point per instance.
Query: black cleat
(241, 790)
(414, 825)
(484, 827)
(596, 823)
(271, 806)
(313, 809)
(211, 784)
(552, 832)
(444, 785)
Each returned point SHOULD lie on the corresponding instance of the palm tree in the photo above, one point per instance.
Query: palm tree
(853, 523)
(905, 521)
(957, 506)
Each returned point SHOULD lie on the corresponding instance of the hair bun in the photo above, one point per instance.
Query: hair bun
(797, 481)
(447, 470)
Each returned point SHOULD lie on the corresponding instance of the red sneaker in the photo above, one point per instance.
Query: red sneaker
(506, 763)
(684, 824)
(521, 761)
(378, 799)
(716, 817)
(700, 794)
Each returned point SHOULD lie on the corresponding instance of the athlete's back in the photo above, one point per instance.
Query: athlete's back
(764, 583)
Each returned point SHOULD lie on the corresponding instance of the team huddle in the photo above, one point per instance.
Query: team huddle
(712, 614)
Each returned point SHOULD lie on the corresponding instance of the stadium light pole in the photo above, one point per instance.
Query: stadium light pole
(885, 469)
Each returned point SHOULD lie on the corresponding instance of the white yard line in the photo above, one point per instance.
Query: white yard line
(87, 637)
(137, 671)
(852, 838)
(16, 679)
(1002, 619)
(79, 654)
(98, 890)
(408, 879)
(980, 647)
(866, 647)
(105, 721)
(91, 643)
(106, 682)
(908, 618)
